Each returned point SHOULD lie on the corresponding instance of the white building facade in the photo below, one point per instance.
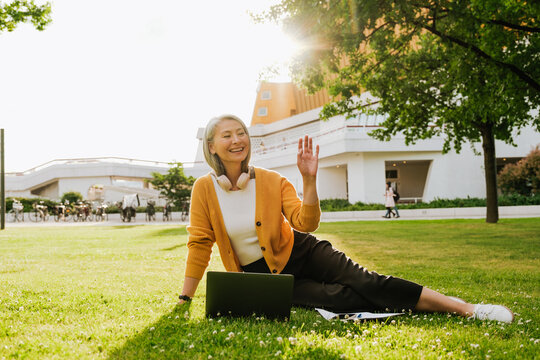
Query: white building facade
(115, 177)
(354, 166)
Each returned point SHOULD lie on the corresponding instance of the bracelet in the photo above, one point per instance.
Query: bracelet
(184, 297)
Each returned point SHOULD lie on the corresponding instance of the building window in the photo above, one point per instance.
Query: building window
(266, 95)
(263, 111)
(391, 174)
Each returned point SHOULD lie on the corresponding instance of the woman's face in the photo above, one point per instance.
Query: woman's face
(231, 142)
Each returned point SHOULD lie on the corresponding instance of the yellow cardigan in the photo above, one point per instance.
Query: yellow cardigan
(277, 211)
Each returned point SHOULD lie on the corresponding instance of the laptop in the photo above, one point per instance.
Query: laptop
(246, 294)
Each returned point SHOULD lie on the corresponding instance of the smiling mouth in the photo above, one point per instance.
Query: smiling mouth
(236, 150)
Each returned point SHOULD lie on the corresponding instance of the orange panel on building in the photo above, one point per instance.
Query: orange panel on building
(277, 101)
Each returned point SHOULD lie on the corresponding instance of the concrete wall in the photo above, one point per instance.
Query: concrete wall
(80, 185)
(49, 191)
(293, 175)
(25, 194)
(335, 182)
(455, 176)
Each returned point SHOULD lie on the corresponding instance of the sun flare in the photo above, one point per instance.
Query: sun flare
(278, 50)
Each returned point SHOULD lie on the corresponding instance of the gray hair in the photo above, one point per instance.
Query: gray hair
(213, 159)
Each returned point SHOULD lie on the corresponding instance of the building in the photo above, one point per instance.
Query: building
(107, 179)
(354, 166)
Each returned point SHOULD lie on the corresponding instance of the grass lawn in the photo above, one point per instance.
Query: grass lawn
(110, 292)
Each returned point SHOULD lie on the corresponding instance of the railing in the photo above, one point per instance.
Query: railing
(337, 126)
(409, 200)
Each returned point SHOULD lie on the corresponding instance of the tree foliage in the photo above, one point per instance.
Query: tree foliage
(71, 196)
(522, 178)
(16, 12)
(467, 71)
(174, 185)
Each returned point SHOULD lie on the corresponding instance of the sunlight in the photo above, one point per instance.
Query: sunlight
(277, 51)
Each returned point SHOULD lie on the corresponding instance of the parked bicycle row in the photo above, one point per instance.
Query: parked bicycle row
(129, 204)
(82, 211)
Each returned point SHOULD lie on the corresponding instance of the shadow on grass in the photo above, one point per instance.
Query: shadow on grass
(179, 335)
(120, 227)
(175, 336)
(174, 247)
(175, 231)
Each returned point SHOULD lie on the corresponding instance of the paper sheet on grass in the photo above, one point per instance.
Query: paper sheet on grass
(328, 315)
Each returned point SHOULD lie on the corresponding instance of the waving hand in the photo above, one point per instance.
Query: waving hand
(307, 160)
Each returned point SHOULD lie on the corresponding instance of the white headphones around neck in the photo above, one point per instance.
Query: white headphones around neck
(241, 183)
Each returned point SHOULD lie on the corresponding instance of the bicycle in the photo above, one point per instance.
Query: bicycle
(62, 212)
(80, 212)
(121, 211)
(184, 213)
(128, 209)
(89, 211)
(150, 210)
(17, 212)
(167, 212)
(40, 212)
(101, 212)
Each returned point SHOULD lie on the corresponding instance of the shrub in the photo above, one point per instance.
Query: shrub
(505, 200)
(330, 204)
(523, 177)
(27, 203)
(344, 205)
(516, 199)
(71, 196)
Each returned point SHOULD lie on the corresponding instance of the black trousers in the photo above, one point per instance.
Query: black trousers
(325, 277)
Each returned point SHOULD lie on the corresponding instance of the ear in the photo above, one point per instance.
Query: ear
(211, 148)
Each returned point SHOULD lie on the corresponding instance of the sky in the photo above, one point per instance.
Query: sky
(130, 78)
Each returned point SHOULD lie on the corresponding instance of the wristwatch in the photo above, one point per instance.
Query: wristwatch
(184, 297)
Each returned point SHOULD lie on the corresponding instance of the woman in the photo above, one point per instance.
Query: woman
(390, 202)
(260, 225)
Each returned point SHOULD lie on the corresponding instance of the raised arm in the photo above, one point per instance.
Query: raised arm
(308, 165)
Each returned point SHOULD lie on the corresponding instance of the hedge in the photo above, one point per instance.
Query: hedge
(504, 200)
(27, 203)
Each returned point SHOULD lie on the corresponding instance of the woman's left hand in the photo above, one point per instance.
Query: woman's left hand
(307, 160)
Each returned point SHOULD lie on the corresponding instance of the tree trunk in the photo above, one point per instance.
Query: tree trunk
(490, 168)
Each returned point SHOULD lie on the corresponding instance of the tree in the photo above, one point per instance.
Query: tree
(24, 11)
(463, 70)
(174, 185)
(72, 196)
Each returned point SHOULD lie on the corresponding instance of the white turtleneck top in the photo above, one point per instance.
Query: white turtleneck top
(238, 210)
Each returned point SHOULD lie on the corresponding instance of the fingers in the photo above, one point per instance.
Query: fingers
(305, 145)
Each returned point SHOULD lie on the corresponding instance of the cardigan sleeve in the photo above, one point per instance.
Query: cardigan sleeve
(201, 234)
(302, 217)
